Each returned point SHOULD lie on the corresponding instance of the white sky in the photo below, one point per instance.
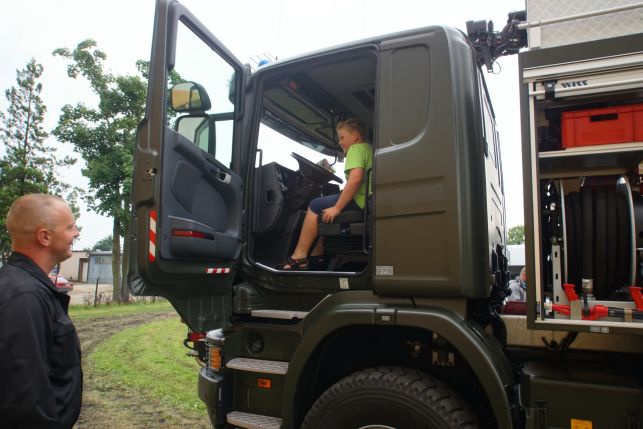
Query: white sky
(283, 28)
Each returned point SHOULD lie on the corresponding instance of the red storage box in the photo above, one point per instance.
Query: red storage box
(610, 125)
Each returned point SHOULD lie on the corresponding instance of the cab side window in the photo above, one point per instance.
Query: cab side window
(490, 134)
(209, 127)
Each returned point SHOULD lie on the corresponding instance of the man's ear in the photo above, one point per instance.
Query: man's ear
(43, 237)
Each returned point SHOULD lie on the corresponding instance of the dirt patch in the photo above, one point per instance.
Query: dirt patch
(108, 405)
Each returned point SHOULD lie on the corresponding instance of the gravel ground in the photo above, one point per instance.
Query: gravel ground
(83, 293)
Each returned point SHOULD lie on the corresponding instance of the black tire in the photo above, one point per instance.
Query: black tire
(612, 239)
(577, 227)
(623, 251)
(389, 397)
(600, 243)
(570, 241)
(638, 235)
(587, 245)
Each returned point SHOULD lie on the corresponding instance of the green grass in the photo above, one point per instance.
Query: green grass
(152, 358)
(77, 312)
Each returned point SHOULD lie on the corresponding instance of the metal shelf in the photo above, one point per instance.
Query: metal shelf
(590, 160)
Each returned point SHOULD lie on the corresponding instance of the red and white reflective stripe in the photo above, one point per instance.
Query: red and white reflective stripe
(152, 252)
(217, 270)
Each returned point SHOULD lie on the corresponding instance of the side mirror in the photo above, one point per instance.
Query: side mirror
(189, 97)
(199, 129)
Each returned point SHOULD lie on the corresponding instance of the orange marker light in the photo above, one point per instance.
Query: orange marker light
(215, 358)
(264, 383)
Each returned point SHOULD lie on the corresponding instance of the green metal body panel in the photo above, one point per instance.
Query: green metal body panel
(482, 352)
(203, 301)
(431, 177)
(556, 393)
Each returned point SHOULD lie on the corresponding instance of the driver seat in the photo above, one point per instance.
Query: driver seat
(346, 238)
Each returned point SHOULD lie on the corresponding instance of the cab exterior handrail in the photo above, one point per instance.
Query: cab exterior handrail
(527, 24)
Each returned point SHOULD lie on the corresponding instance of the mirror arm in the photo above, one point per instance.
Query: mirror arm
(212, 137)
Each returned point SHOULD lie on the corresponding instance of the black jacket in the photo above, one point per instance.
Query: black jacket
(40, 373)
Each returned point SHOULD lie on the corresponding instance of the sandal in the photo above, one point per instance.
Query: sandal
(292, 264)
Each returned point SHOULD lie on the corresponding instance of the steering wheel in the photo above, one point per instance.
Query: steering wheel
(314, 172)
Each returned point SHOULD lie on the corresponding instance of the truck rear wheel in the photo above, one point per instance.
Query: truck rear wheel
(389, 397)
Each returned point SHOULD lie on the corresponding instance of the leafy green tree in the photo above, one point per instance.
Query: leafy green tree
(28, 164)
(516, 235)
(103, 245)
(104, 136)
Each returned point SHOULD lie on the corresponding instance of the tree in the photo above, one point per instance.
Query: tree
(28, 165)
(103, 245)
(104, 136)
(516, 235)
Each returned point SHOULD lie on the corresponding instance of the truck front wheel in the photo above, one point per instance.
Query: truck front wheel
(391, 398)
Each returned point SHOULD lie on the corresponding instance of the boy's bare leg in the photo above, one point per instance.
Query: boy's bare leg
(309, 231)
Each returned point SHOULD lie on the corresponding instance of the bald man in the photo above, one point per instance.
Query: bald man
(40, 372)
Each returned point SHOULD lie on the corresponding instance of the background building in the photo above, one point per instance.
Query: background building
(75, 268)
(100, 267)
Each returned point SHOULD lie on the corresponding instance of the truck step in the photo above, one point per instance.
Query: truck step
(253, 421)
(258, 365)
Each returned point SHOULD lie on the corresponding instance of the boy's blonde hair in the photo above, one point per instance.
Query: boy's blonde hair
(355, 125)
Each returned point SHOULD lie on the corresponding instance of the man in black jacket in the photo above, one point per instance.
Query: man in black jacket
(40, 372)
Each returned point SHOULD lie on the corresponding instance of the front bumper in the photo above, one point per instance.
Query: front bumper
(215, 392)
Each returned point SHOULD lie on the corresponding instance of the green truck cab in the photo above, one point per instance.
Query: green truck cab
(405, 325)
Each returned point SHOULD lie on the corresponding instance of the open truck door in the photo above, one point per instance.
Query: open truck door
(187, 198)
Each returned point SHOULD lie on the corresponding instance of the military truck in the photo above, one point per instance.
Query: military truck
(407, 323)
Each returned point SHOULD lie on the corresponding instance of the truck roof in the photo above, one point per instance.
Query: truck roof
(452, 33)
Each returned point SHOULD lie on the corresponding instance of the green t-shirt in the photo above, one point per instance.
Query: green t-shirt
(360, 155)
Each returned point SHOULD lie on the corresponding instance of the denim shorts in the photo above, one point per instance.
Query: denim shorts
(319, 204)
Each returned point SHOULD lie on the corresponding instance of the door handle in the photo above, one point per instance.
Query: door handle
(223, 176)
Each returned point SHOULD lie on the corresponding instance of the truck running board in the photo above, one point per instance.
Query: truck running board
(258, 365)
(279, 314)
(253, 421)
